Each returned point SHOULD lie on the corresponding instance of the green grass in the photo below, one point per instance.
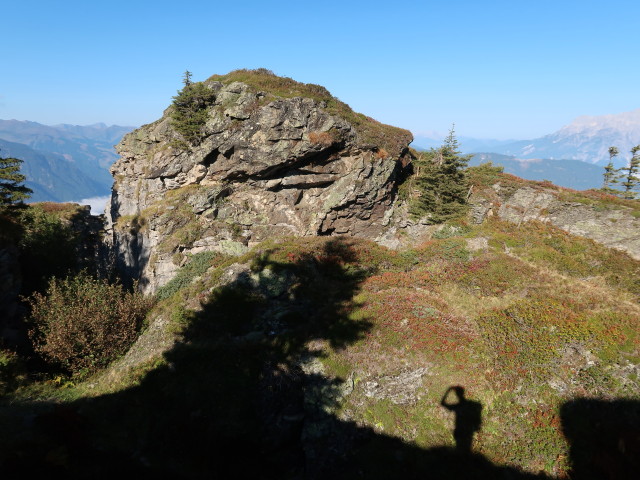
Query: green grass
(195, 266)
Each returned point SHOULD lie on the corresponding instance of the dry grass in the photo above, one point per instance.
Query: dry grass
(370, 132)
(322, 139)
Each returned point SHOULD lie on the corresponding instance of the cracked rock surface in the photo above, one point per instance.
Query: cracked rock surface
(261, 169)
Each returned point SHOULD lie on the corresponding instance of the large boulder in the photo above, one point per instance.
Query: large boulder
(285, 159)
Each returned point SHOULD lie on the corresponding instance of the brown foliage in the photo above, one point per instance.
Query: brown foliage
(381, 153)
(83, 323)
(324, 139)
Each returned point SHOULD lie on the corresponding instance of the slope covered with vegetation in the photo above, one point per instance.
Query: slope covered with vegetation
(330, 357)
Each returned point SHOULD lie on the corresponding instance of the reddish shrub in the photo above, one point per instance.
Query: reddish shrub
(83, 323)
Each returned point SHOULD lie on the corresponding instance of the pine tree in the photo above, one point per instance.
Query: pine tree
(190, 105)
(630, 180)
(12, 190)
(610, 174)
(442, 182)
(186, 78)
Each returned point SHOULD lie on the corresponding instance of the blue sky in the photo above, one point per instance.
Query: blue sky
(500, 69)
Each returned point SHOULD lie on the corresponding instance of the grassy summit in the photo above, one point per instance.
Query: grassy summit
(370, 131)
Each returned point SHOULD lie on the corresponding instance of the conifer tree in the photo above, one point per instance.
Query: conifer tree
(630, 180)
(610, 174)
(12, 190)
(442, 182)
(189, 113)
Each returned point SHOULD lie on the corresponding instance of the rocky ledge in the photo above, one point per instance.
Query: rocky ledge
(612, 225)
(290, 160)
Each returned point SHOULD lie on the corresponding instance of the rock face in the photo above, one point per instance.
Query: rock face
(264, 167)
(616, 228)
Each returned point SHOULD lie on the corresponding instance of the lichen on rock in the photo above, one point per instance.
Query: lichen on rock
(269, 163)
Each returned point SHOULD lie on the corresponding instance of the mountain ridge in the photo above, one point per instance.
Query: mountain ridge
(587, 138)
(85, 151)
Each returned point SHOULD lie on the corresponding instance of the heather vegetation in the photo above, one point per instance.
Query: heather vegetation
(354, 345)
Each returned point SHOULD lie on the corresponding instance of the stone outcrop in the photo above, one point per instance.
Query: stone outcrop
(264, 167)
(615, 226)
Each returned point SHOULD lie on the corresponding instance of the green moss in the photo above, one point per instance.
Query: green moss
(196, 266)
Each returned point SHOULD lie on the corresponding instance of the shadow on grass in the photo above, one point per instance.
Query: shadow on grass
(243, 395)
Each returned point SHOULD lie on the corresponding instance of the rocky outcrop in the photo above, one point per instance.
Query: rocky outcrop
(264, 167)
(614, 226)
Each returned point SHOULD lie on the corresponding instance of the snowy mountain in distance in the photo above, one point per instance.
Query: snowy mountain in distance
(587, 138)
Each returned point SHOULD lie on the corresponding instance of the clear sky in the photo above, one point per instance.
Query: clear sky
(498, 69)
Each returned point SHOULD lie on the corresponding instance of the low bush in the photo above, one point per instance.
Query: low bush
(190, 113)
(12, 371)
(82, 323)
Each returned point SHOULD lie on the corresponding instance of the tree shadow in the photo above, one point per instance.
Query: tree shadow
(243, 394)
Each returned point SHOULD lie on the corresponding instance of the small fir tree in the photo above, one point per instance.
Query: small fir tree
(186, 78)
(12, 190)
(442, 182)
(610, 174)
(190, 105)
(630, 180)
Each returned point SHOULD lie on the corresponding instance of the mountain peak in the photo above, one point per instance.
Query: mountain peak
(587, 138)
(628, 122)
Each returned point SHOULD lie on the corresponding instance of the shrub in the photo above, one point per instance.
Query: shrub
(11, 371)
(190, 110)
(323, 139)
(82, 323)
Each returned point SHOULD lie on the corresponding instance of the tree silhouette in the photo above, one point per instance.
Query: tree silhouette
(12, 190)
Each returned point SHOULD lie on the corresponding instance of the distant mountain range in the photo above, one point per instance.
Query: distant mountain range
(467, 144)
(587, 138)
(565, 173)
(71, 162)
(63, 162)
(567, 157)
